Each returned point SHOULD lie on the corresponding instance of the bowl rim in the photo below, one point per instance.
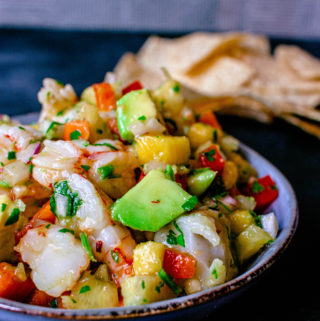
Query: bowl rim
(184, 302)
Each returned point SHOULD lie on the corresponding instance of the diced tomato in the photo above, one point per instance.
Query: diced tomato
(209, 118)
(142, 175)
(105, 96)
(179, 265)
(136, 85)
(43, 214)
(212, 158)
(40, 298)
(264, 191)
(182, 180)
(76, 129)
(11, 287)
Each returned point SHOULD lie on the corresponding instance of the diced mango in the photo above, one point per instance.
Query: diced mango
(240, 220)
(89, 96)
(166, 149)
(145, 289)
(250, 241)
(200, 133)
(229, 174)
(147, 258)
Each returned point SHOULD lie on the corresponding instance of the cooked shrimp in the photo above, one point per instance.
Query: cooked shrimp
(56, 259)
(58, 160)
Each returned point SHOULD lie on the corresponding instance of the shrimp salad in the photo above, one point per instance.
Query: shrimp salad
(124, 196)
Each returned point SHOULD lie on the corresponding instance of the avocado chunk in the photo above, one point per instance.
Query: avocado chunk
(154, 202)
(135, 106)
(200, 180)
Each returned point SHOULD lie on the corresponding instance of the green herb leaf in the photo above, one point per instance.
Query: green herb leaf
(54, 303)
(218, 202)
(176, 88)
(257, 188)
(99, 131)
(59, 82)
(4, 184)
(215, 135)
(3, 207)
(48, 225)
(115, 256)
(20, 127)
(87, 247)
(107, 172)
(215, 274)
(142, 118)
(209, 155)
(1, 163)
(66, 230)
(13, 218)
(31, 168)
(190, 203)
(11, 155)
(168, 280)
(257, 219)
(84, 289)
(85, 167)
(61, 112)
(105, 144)
(51, 126)
(75, 134)
(143, 285)
(169, 172)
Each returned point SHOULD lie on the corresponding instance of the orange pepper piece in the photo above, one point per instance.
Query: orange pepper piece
(77, 129)
(209, 118)
(105, 96)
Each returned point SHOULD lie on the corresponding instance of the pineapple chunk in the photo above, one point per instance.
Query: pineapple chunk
(250, 241)
(89, 96)
(166, 149)
(240, 220)
(140, 289)
(229, 174)
(200, 133)
(92, 292)
(147, 258)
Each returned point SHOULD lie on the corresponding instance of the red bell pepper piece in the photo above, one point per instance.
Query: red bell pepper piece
(136, 85)
(212, 158)
(264, 191)
(182, 180)
(209, 118)
(105, 96)
(179, 265)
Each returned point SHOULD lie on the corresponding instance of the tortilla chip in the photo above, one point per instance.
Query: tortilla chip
(299, 61)
(128, 70)
(302, 124)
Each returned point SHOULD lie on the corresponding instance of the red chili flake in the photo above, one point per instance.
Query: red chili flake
(99, 246)
(155, 202)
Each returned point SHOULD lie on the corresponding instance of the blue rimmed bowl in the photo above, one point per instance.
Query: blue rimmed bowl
(189, 307)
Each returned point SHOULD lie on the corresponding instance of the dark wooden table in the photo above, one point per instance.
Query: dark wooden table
(289, 291)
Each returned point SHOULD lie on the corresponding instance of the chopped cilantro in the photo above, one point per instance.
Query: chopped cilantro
(169, 172)
(22, 128)
(11, 155)
(100, 131)
(59, 82)
(176, 88)
(106, 144)
(257, 218)
(215, 274)
(143, 285)
(115, 256)
(215, 135)
(269, 243)
(158, 287)
(48, 225)
(31, 168)
(4, 184)
(173, 238)
(76, 134)
(190, 203)
(84, 289)
(87, 247)
(51, 126)
(66, 230)
(61, 112)
(257, 188)
(54, 303)
(220, 215)
(74, 201)
(273, 187)
(1, 163)
(142, 118)
(144, 300)
(218, 202)
(13, 218)
(169, 281)
(85, 167)
(209, 155)
(73, 300)
(107, 172)
(3, 207)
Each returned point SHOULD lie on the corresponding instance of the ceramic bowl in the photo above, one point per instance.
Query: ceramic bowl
(195, 306)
